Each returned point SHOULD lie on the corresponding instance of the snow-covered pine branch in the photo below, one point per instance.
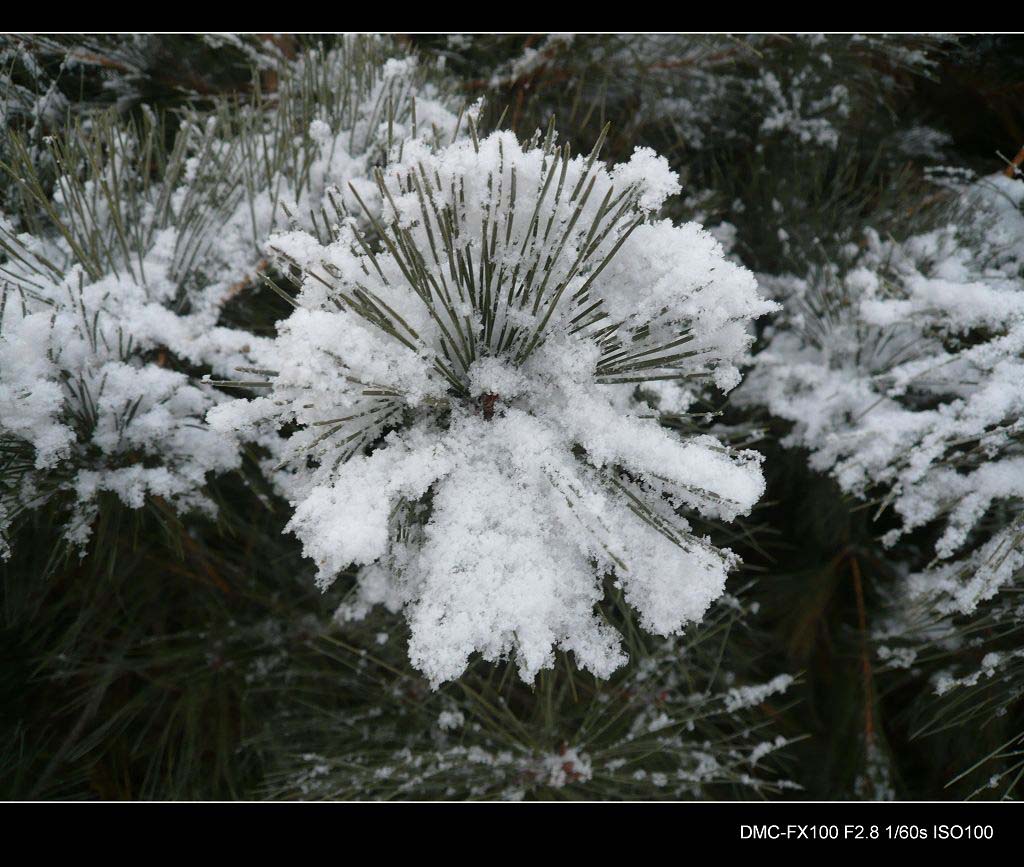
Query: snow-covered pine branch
(703, 90)
(902, 370)
(93, 282)
(114, 278)
(677, 722)
(456, 388)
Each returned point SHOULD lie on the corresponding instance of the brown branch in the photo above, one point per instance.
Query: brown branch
(869, 716)
(249, 279)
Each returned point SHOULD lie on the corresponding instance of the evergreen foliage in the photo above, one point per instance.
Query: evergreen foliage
(444, 417)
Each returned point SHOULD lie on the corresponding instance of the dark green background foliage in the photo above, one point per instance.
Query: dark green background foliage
(176, 661)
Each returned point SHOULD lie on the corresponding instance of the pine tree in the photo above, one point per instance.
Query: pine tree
(609, 416)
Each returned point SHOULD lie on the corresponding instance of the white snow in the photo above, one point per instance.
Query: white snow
(466, 431)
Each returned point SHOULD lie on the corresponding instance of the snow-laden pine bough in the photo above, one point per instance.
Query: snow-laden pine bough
(115, 271)
(701, 91)
(659, 731)
(902, 370)
(452, 403)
